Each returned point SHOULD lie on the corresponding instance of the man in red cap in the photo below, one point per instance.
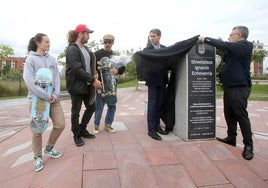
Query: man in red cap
(82, 28)
(81, 80)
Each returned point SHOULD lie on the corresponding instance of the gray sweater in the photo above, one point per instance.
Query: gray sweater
(35, 61)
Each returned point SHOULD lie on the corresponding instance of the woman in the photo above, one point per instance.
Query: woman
(37, 58)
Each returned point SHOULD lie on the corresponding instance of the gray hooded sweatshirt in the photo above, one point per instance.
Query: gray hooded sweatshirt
(35, 61)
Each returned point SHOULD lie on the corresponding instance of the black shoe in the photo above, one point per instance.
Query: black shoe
(248, 152)
(227, 140)
(154, 135)
(85, 134)
(160, 130)
(78, 141)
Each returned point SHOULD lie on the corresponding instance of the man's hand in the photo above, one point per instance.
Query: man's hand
(114, 71)
(201, 39)
(97, 84)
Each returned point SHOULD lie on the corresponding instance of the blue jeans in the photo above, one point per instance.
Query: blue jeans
(99, 109)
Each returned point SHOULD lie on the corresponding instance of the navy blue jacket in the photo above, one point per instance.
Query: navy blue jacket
(156, 78)
(237, 59)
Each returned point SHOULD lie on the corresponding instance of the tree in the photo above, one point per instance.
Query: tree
(61, 57)
(258, 57)
(93, 45)
(6, 69)
(149, 42)
(5, 51)
(13, 75)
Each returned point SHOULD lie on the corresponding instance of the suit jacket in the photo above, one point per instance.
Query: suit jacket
(156, 78)
(155, 60)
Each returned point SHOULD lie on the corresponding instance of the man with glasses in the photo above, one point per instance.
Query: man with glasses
(157, 83)
(235, 76)
(106, 51)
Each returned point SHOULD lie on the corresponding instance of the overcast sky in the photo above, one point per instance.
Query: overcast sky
(129, 21)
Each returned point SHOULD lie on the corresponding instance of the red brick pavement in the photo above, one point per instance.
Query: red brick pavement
(129, 157)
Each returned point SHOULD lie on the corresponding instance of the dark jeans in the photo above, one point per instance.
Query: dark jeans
(156, 99)
(235, 101)
(75, 113)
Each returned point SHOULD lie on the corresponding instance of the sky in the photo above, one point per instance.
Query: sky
(129, 21)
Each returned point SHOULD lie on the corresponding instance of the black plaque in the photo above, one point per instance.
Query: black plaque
(201, 92)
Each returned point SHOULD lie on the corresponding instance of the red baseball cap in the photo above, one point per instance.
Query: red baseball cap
(82, 28)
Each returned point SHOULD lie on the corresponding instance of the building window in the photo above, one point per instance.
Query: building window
(3, 64)
(13, 65)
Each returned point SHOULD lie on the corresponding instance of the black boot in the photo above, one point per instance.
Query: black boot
(84, 133)
(228, 140)
(77, 136)
(248, 152)
(78, 141)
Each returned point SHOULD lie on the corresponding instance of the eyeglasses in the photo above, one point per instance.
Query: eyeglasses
(107, 42)
(233, 34)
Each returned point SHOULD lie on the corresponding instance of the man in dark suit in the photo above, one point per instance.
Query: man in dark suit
(235, 76)
(156, 82)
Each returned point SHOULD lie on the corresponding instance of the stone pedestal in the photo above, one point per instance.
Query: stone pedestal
(195, 103)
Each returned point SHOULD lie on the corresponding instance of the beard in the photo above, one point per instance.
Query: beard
(84, 39)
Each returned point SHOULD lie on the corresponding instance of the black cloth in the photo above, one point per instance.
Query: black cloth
(164, 58)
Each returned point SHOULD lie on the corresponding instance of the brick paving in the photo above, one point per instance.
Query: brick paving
(130, 158)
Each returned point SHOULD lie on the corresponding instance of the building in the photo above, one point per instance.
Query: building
(16, 63)
(256, 69)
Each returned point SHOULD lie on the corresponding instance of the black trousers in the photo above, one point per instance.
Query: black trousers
(156, 99)
(75, 113)
(235, 101)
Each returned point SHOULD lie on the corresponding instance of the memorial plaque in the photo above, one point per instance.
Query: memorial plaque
(201, 92)
(195, 110)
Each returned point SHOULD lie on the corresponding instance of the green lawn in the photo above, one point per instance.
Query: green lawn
(258, 92)
(131, 83)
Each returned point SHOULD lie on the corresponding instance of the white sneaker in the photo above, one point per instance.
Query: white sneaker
(109, 129)
(38, 164)
(96, 130)
(52, 153)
